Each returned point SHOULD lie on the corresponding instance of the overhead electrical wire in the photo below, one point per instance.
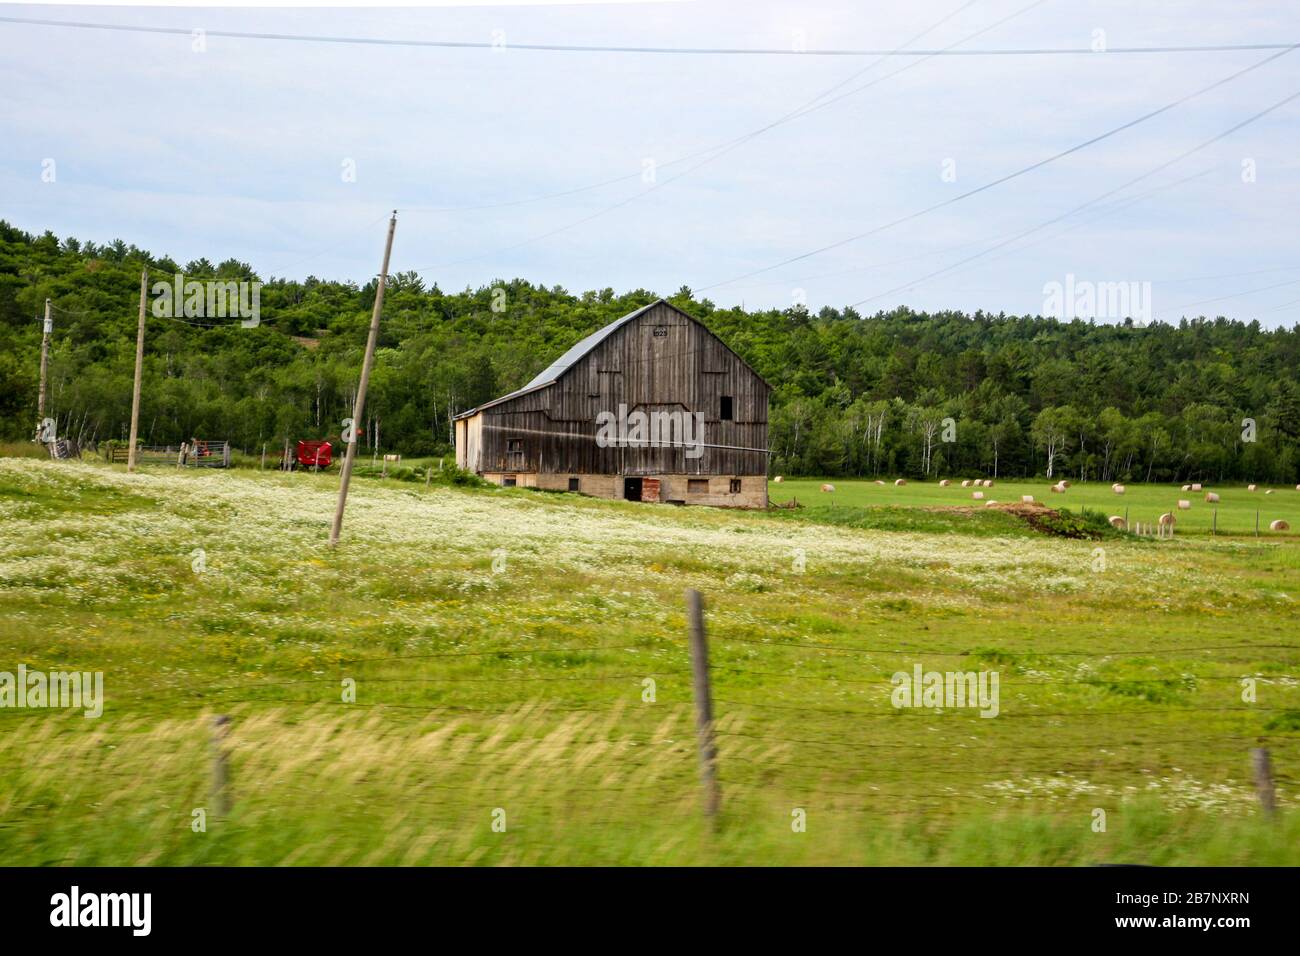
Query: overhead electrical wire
(1096, 199)
(1114, 208)
(655, 50)
(1236, 295)
(816, 103)
(1024, 170)
(718, 148)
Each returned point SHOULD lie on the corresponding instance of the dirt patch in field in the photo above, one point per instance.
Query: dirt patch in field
(1038, 516)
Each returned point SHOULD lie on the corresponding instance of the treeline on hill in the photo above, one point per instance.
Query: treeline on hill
(854, 395)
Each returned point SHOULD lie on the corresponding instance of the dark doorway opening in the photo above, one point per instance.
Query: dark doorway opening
(632, 489)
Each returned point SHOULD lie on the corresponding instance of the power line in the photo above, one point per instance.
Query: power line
(1119, 206)
(818, 102)
(1096, 199)
(1009, 176)
(1284, 305)
(656, 50)
(713, 152)
(932, 652)
(718, 148)
(1237, 295)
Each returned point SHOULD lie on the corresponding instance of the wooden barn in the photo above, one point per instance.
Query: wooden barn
(653, 407)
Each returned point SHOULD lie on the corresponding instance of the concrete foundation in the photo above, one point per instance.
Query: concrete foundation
(719, 491)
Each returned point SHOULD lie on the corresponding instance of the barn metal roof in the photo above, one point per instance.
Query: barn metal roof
(552, 372)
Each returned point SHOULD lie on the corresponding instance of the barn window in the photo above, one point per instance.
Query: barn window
(515, 452)
(735, 486)
(725, 413)
(575, 484)
(509, 481)
(697, 486)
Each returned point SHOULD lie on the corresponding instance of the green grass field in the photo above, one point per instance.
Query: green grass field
(521, 657)
(1145, 503)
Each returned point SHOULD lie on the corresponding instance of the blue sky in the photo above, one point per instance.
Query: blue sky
(240, 150)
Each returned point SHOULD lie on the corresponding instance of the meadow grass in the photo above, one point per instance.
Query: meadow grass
(524, 654)
(1141, 502)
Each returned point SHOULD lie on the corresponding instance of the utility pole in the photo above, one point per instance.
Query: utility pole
(45, 362)
(139, 370)
(359, 409)
(703, 706)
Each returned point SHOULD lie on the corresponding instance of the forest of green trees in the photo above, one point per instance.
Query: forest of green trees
(898, 392)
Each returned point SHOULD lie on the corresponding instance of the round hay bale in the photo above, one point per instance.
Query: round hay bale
(1184, 504)
(828, 487)
(988, 482)
(1057, 489)
(989, 504)
(944, 483)
(1168, 519)
(977, 495)
(1063, 483)
(1196, 486)
(1116, 521)
(1026, 499)
(1211, 497)
(1278, 525)
(966, 484)
(1117, 488)
(777, 479)
(1187, 487)
(1250, 487)
(1269, 491)
(899, 482)
(879, 482)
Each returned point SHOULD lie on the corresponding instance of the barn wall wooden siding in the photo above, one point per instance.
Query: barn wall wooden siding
(660, 361)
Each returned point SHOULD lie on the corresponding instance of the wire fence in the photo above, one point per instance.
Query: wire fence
(836, 740)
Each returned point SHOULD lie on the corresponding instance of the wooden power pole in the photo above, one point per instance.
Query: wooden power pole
(45, 363)
(359, 409)
(703, 706)
(139, 370)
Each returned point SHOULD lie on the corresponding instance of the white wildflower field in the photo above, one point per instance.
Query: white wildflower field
(497, 676)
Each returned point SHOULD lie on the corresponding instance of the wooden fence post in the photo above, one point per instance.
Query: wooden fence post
(220, 766)
(703, 706)
(1214, 525)
(1263, 771)
(1257, 522)
(263, 468)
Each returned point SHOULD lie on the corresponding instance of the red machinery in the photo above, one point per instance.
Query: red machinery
(314, 454)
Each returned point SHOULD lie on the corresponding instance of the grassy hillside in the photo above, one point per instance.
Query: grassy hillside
(500, 642)
(853, 394)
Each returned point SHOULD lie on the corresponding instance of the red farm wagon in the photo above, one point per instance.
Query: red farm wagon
(314, 455)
